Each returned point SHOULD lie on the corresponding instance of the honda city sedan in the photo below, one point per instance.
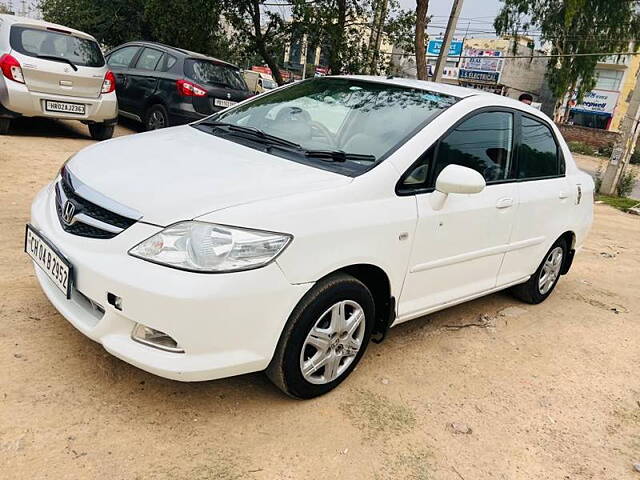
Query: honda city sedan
(288, 231)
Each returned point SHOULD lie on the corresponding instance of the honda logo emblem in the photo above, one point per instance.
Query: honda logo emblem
(68, 212)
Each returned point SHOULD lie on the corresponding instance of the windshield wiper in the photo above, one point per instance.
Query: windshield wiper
(339, 156)
(252, 131)
(59, 59)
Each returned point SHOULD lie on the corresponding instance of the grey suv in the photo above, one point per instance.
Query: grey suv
(47, 70)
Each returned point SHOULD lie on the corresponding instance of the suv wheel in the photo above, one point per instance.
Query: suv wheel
(156, 117)
(325, 337)
(544, 280)
(101, 131)
(4, 126)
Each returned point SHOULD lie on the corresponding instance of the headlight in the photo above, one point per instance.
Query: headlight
(208, 247)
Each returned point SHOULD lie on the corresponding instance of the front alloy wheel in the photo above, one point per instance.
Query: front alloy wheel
(550, 270)
(325, 337)
(333, 343)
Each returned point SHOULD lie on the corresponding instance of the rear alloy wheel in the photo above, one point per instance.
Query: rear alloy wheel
(101, 131)
(156, 118)
(325, 337)
(4, 126)
(543, 281)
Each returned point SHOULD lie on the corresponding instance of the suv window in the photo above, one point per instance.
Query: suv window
(210, 73)
(484, 143)
(36, 42)
(538, 156)
(122, 57)
(148, 59)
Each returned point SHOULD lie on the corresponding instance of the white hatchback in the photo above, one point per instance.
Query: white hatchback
(288, 231)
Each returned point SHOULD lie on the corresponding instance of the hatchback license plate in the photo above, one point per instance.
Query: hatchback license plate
(47, 257)
(64, 107)
(218, 102)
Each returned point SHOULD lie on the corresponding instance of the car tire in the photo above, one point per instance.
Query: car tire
(101, 131)
(4, 125)
(156, 117)
(544, 280)
(330, 310)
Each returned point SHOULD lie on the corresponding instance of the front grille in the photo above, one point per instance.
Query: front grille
(89, 219)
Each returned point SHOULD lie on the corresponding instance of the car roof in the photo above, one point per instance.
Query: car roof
(180, 51)
(13, 20)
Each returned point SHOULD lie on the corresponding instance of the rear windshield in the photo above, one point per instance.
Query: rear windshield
(36, 42)
(216, 74)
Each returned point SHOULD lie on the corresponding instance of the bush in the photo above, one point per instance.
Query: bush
(606, 151)
(626, 183)
(597, 180)
(635, 157)
(581, 147)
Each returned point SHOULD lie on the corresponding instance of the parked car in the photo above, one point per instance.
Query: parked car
(284, 233)
(259, 82)
(53, 71)
(162, 86)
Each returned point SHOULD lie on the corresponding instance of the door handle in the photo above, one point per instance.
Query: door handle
(504, 202)
(563, 195)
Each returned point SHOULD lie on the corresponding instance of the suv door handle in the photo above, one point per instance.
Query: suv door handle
(563, 195)
(504, 202)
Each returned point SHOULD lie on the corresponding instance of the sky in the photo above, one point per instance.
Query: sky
(477, 14)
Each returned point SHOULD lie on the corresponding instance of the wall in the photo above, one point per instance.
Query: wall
(628, 84)
(590, 136)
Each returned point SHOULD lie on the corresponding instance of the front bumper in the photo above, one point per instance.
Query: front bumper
(227, 324)
(17, 100)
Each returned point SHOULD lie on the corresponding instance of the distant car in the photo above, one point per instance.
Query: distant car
(162, 86)
(52, 71)
(281, 234)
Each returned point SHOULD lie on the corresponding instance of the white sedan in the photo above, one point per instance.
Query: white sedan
(288, 231)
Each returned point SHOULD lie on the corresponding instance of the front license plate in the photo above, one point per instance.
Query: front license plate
(218, 102)
(47, 257)
(64, 107)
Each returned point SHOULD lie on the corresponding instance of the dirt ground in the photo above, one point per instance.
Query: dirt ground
(536, 392)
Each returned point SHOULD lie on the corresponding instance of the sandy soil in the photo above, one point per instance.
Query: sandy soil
(539, 392)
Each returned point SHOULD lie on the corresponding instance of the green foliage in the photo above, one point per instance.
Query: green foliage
(573, 27)
(605, 151)
(620, 203)
(626, 183)
(4, 9)
(581, 147)
(635, 157)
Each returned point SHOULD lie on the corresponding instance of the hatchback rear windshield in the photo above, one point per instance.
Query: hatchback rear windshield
(36, 42)
(216, 74)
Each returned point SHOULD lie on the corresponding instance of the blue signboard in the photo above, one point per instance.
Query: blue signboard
(434, 47)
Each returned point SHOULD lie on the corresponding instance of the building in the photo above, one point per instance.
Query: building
(605, 106)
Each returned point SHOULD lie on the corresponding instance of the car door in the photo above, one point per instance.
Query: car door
(143, 80)
(119, 62)
(458, 248)
(545, 199)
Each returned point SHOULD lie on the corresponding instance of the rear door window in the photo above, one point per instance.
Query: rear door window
(122, 58)
(216, 74)
(149, 59)
(36, 42)
(538, 156)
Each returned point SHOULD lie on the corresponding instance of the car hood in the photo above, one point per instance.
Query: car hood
(181, 173)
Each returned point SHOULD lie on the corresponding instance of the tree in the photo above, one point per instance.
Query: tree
(422, 7)
(573, 27)
(111, 23)
(258, 29)
(4, 9)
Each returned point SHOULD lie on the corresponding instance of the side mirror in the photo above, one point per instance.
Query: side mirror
(456, 179)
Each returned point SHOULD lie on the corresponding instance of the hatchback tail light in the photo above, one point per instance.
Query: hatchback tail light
(109, 83)
(11, 68)
(189, 89)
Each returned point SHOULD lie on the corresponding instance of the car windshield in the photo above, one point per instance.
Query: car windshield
(50, 44)
(211, 73)
(268, 84)
(345, 118)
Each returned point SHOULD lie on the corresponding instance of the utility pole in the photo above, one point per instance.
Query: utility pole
(446, 43)
(624, 146)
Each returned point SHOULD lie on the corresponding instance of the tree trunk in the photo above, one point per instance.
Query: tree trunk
(336, 41)
(261, 44)
(422, 6)
(375, 42)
